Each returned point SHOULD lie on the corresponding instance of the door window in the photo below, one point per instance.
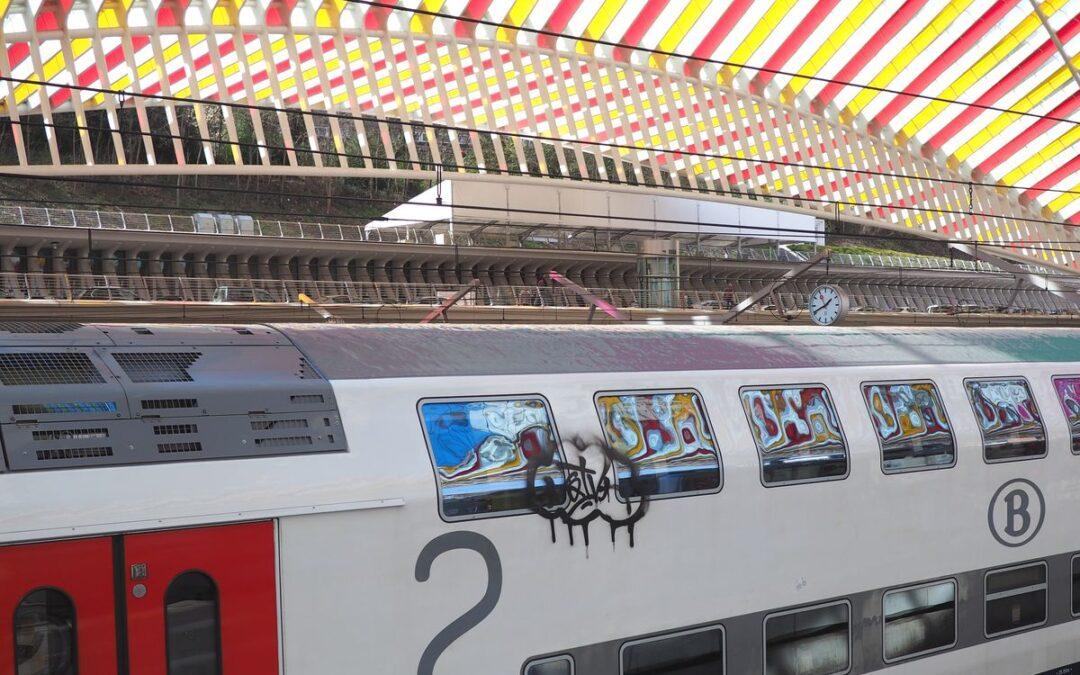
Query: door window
(193, 638)
(45, 634)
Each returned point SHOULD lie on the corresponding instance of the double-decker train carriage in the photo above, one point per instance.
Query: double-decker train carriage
(336, 499)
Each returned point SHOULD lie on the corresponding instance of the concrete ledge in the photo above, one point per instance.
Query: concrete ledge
(205, 312)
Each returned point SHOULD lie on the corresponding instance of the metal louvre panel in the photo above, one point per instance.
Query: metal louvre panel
(159, 394)
(158, 335)
(53, 384)
(233, 380)
(134, 441)
(45, 333)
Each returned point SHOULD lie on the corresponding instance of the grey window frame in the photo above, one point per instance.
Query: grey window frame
(956, 619)
(1061, 407)
(799, 610)
(566, 658)
(881, 441)
(1027, 589)
(652, 392)
(658, 637)
(982, 433)
(1072, 583)
(761, 458)
(467, 399)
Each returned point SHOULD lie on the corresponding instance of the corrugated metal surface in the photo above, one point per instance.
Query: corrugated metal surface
(381, 351)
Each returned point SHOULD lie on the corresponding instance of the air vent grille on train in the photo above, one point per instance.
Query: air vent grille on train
(169, 403)
(39, 368)
(175, 429)
(70, 434)
(38, 326)
(265, 425)
(172, 448)
(306, 372)
(74, 453)
(64, 408)
(284, 442)
(157, 366)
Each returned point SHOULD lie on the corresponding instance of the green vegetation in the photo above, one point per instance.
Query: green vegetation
(859, 250)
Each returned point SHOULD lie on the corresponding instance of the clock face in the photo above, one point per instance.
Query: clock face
(827, 305)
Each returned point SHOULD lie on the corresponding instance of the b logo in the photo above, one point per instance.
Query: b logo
(1016, 512)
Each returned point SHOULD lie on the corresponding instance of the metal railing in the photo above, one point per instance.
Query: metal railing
(76, 287)
(493, 235)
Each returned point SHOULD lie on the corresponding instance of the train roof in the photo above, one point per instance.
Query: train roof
(374, 351)
(369, 351)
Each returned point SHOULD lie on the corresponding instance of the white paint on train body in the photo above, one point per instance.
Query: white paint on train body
(352, 524)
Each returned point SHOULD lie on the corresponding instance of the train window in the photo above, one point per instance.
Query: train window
(555, 665)
(695, 652)
(812, 641)
(912, 427)
(666, 435)
(1068, 392)
(192, 631)
(797, 432)
(482, 451)
(1076, 585)
(45, 634)
(1015, 599)
(919, 620)
(1009, 419)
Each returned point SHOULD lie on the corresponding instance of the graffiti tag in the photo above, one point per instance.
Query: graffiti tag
(587, 493)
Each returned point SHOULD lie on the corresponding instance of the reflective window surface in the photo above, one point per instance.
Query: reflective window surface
(1015, 599)
(192, 633)
(556, 665)
(1068, 392)
(797, 433)
(698, 652)
(1009, 418)
(911, 425)
(45, 634)
(815, 641)
(919, 620)
(481, 451)
(667, 437)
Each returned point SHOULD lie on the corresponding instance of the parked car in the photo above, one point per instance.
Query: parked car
(707, 304)
(941, 309)
(334, 300)
(240, 294)
(107, 293)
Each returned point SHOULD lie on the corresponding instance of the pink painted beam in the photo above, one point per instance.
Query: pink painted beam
(603, 306)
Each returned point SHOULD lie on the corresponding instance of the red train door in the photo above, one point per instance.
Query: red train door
(57, 608)
(202, 601)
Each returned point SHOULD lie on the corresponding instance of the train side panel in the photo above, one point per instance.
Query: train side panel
(352, 591)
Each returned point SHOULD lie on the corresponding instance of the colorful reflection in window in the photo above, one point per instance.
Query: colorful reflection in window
(1009, 419)
(667, 436)
(797, 433)
(911, 424)
(481, 451)
(1068, 391)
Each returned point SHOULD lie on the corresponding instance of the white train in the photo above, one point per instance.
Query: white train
(332, 500)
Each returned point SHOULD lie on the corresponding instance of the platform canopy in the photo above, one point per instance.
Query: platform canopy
(955, 118)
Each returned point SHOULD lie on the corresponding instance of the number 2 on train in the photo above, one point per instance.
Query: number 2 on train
(451, 541)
